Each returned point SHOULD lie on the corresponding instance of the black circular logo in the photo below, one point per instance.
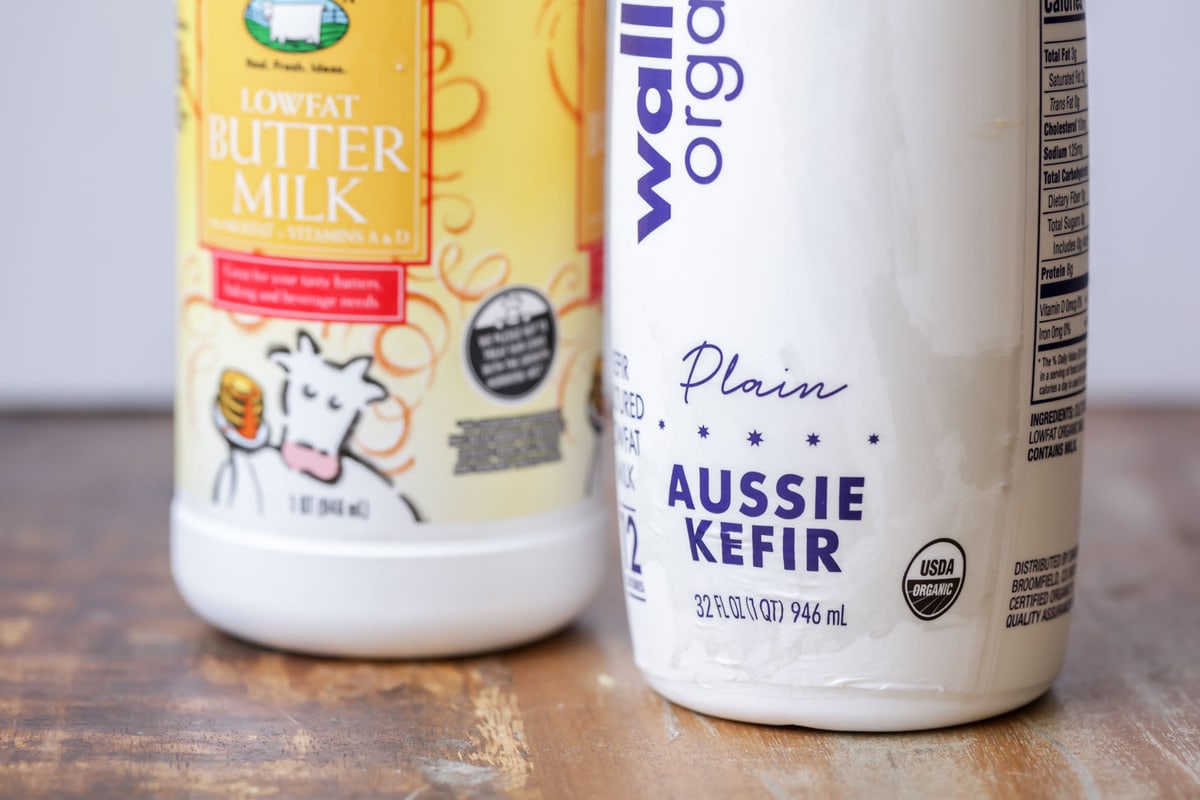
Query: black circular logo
(934, 578)
(511, 341)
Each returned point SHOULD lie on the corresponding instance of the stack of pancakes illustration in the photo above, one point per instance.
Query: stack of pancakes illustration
(241, 402)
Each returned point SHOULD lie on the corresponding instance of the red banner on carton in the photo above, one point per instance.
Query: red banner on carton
(297, 289)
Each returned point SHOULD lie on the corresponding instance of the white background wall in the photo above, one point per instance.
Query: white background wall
(86, 185)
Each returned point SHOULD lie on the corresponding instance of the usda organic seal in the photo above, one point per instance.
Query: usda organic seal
(934, 578)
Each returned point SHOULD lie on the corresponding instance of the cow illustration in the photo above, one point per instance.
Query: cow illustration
(322, 402)
(294, 22)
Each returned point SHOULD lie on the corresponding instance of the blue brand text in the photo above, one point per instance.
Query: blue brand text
(648, 35)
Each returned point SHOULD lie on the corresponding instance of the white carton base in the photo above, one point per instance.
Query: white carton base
(842, 709)
(431, 598)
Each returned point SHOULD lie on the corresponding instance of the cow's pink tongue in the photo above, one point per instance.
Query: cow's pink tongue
(305, 459)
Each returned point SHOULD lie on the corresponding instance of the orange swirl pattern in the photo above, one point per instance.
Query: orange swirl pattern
(465, 17)
(404, 467)
(459, 92)
(558, 62)
(543, 12)
(467, 93)
(568, 288)
(392, 364)
(443, 54)
(449, 177)
(404, 417)
(247, 322)
(571, 307)
(466, 207)
(413, 349)
(471, 286)
(569, 284)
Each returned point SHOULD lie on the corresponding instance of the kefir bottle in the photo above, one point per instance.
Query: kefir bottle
(849, 281)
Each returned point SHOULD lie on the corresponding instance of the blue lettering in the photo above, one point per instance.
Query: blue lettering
(714, 171)
(706, 362)
(759, 544)
(731, 547)
(647, 16)
(654, 83)
(750, 483)
(848, 498)
(679, 491)
(651, 36)
(696, 353)
(717, 63)
(715, 6)
(822, 544)
(660, 170)
(658, 81)
(787, 489)
(721, 504)
(645, 46)
(696, 540)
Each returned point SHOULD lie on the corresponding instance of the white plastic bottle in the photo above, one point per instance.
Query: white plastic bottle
(391, 222)
(849, 270)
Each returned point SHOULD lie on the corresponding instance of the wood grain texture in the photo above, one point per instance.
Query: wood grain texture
(109, 687)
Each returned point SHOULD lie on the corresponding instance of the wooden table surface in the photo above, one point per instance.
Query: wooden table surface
(109, 687)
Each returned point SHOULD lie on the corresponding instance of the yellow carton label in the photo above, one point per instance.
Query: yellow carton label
(311, 144)
(390, 241)
(592, 87)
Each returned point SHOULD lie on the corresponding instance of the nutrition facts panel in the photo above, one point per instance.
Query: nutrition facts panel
(1060, 350)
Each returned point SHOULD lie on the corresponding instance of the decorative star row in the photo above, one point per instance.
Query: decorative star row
(756, 438)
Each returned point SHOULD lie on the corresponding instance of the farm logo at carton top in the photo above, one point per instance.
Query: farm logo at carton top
(296, 26)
